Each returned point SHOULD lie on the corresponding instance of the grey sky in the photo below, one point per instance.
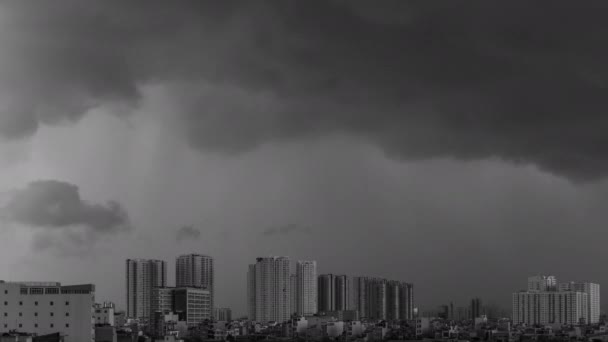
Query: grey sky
(458, 147)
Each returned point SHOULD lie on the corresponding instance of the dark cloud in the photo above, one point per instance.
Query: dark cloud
(525, 82)
(286, 229)
(56, 205)
(188, 233)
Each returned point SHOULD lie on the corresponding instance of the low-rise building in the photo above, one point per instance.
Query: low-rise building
(44, 308)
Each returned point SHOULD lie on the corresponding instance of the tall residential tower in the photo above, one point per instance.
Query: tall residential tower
(268, 289)
(306, 287)
(195, 270)
(142, 275)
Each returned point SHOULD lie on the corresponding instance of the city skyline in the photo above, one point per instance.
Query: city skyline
(458, 146)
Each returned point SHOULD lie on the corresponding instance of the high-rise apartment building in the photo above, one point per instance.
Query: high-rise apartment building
(251, 293)
(549, 307)
(343, 293)
(547, 303)
(406, 301)
(359, 295)
(476, 308)
(327, 293)
(269, 289)
(142, 275)
(306, 287)
(392, 300)
(46, 308)
(377, 298)
(593, 297)
(293, 294)
(195, 270)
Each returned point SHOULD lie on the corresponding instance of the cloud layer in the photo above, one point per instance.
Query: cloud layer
(187, 233)
(523, 82)
(56, 204)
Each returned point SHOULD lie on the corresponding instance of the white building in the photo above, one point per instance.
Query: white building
(550, 307)
(46, 308)
(268, 290)
(103, 314)
(142, 276)
(593, 297)
(306, 287)
(547, 303)
(195, 270)
(192, 304)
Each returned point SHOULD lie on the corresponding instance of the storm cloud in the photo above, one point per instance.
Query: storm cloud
(525, 82)
(55, 205)
(469, 81)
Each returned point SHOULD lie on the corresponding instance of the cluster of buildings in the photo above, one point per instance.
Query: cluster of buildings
(153, 303)
(284, 304)
(274, 294)
(547, 302)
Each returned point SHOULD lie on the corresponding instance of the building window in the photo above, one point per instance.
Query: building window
(20, 325)
(20, 303)
(36, 303)
(21, 314)
(52, 314)
(36, 314)
(35, 325)
(67, 314)
(52, 303)
(52, 325)
(24, 290)
(67, 325)
(67, 303)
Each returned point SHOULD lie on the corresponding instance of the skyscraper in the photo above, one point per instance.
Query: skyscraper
(293, 294)
(475, 308)
(327, 292)
(360, 295)
(251, 292)
(545, 302)
(343, 293)
(549, 307)
(593, 297)
(392, 300)
(142, 275)
(195, 270)
(306, 273)
(377, 298)
(406, 300)
(269, 289)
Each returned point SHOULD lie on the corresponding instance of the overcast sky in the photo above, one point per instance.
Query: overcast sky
(458, 146)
